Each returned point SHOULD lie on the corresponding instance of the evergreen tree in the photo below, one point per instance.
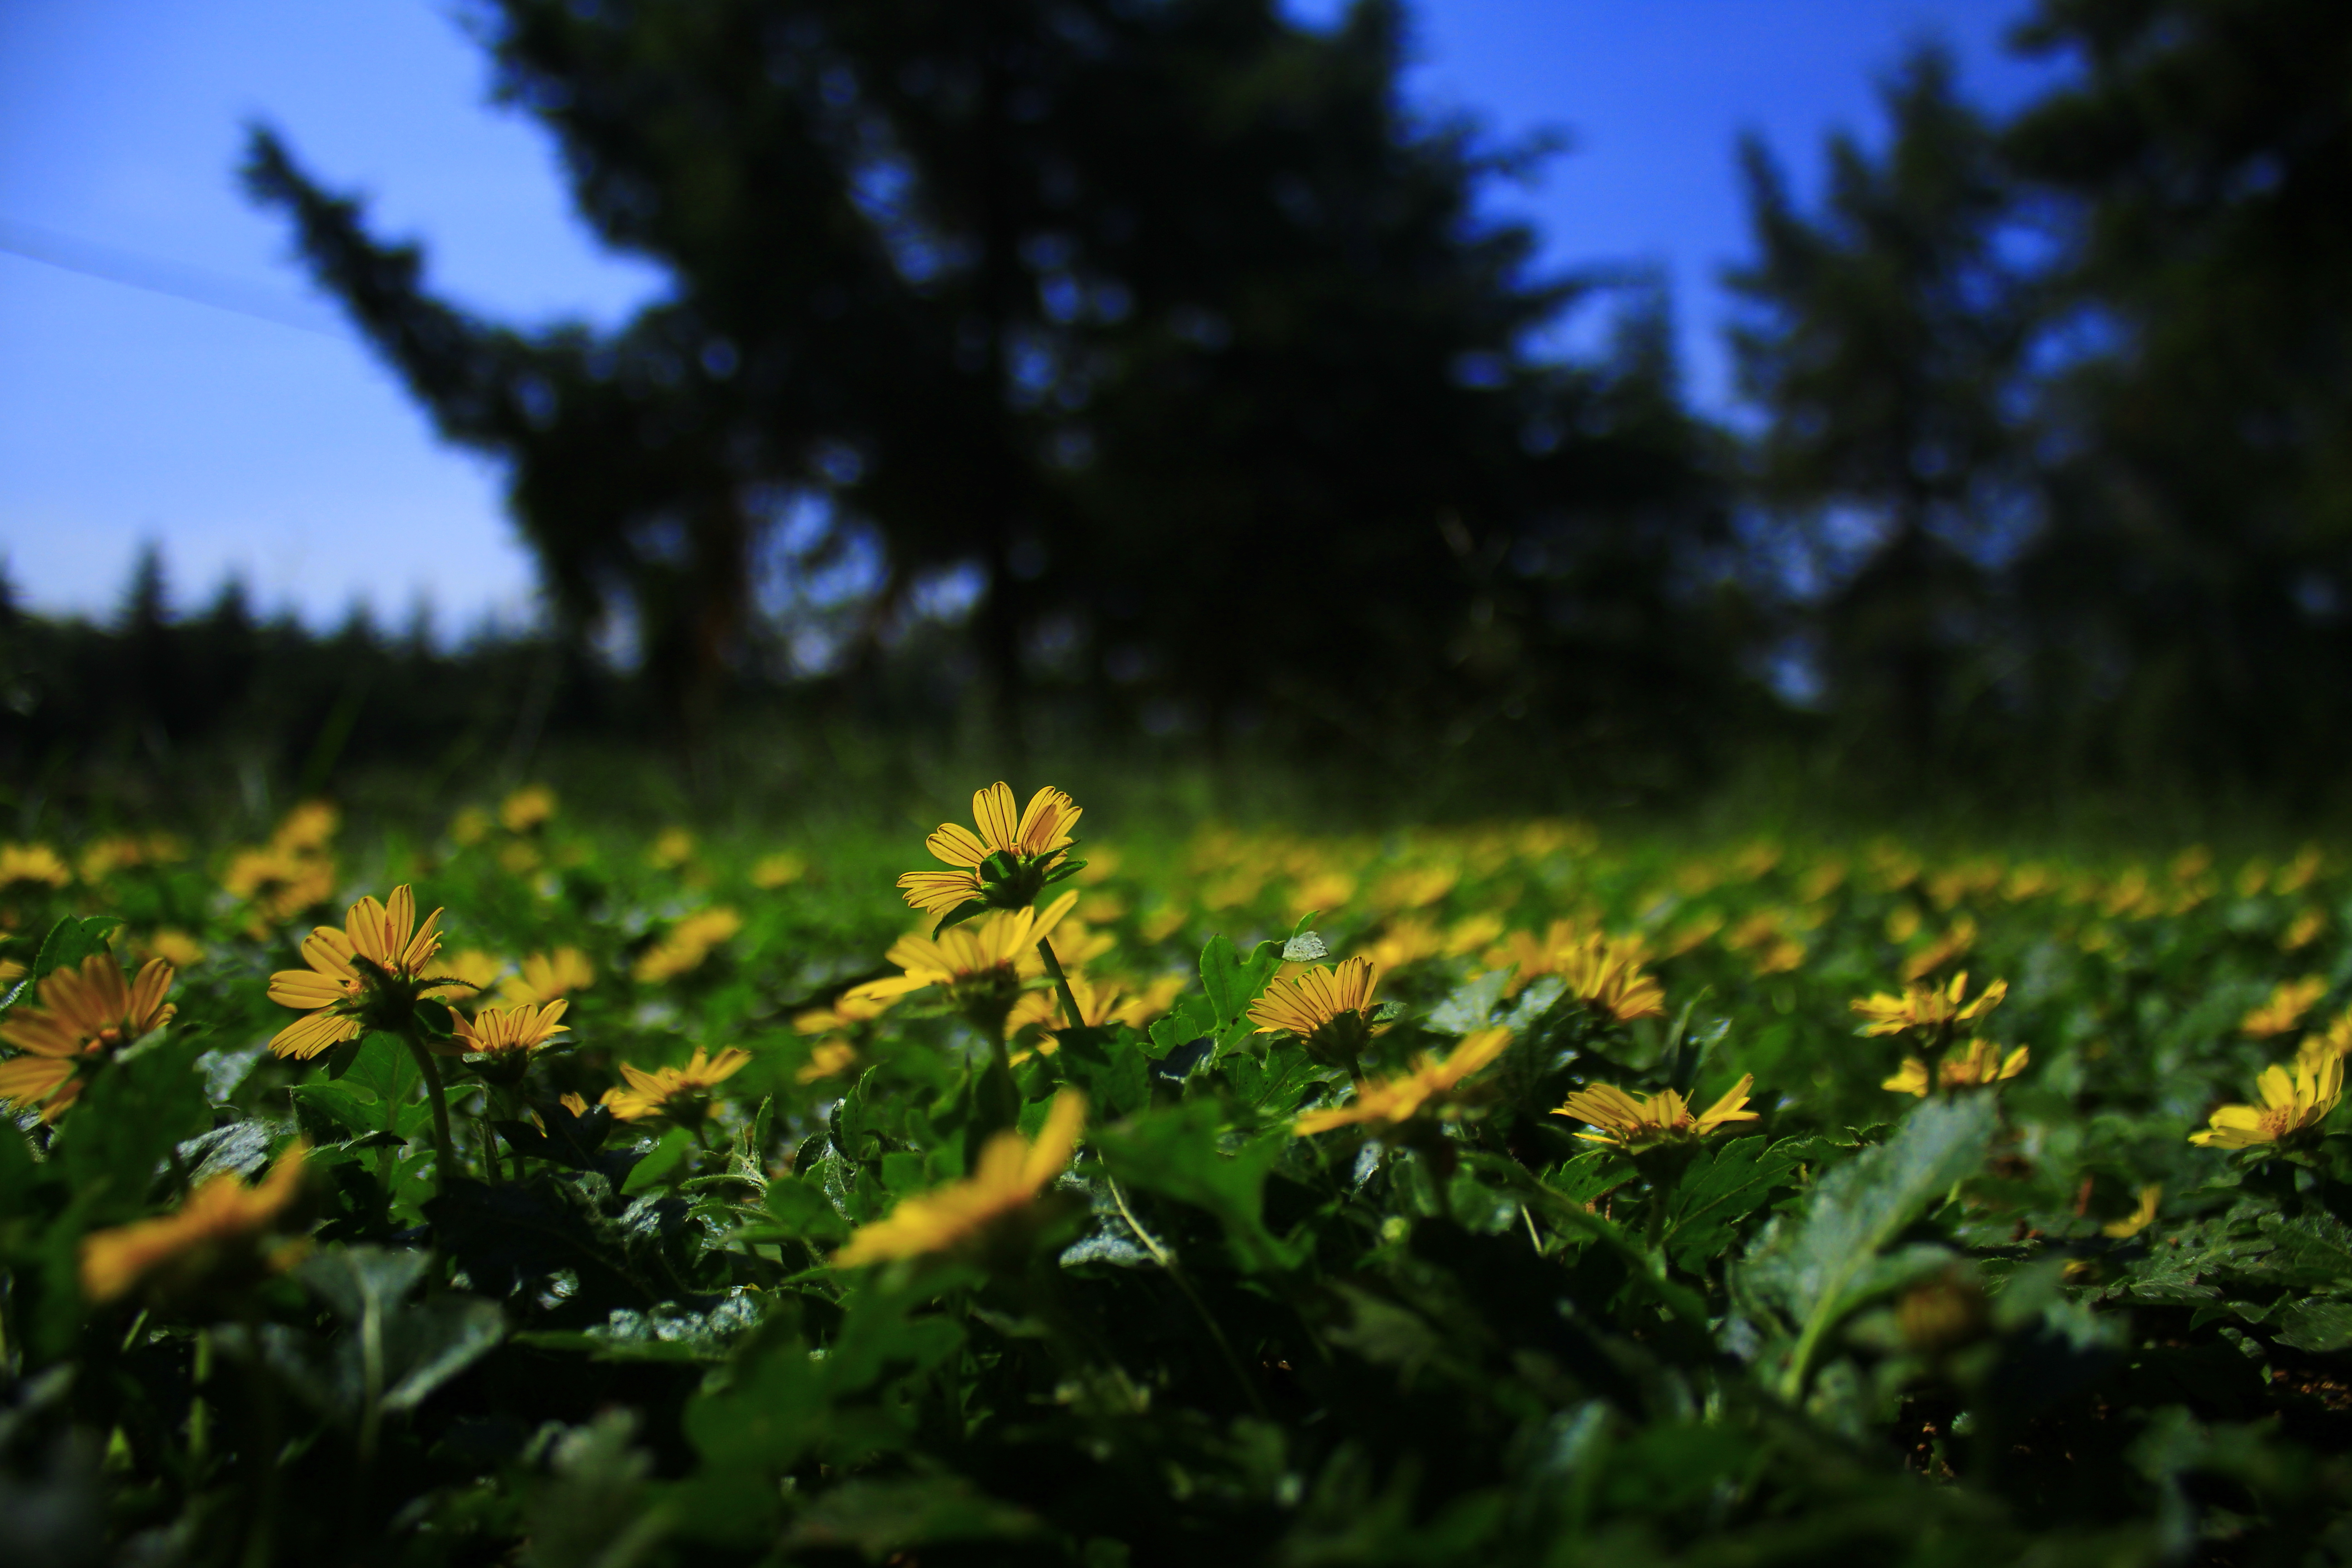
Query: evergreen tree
(1884, 336)
(1168, 317)
(2199, 560)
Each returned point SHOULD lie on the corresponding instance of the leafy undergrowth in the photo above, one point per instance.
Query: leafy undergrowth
(1495, 1196)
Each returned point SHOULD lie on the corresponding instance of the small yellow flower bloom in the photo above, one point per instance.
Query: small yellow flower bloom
(778, 869)
(175, 947)
(470, 826)
(1928, 1009)
(1006, 864)
(544, 976)
(475, 967)
(31, 865)
(1979, 1065)
(847, 1010)
(1100, 1003)
(508, 1032)
(2293, 1105)
(85, 1014)
(307, 828)
(1329, 1008)
(1427, 1085)
(2139, 1219)
(528, 807)
(673, 848)
(1637, 1121)
(980, 965)
(681, 1094)
(2303, 931)
(2288, 1001)
(686, 944)
(280, 883)
(217, 1231)
(986, 1206)
(828, 1058)
(376, 962)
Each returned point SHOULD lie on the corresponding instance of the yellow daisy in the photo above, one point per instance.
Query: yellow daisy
(1427, 1085)
(2143, 1215)
(827, 1059)
(32, 865)
(1637, 1121)
(1006, 864)
(84, 1016)
(980, 965)
(1979, 1065)
(1928, 1009)
(528, 808)
(1329, 1008)
(547, 975)
(373, 968)
(499, 1041)
(219, 1230)
(2288, 1001)
(686, 944)
(967, 1215)
(681, 1094)
(2293, 1105)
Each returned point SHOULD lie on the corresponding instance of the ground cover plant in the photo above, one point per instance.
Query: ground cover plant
(1063, 1190)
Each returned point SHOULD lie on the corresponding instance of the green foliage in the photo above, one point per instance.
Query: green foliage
(1862, 1326)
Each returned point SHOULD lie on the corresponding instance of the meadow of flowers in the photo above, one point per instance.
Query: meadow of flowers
(1063, 1190)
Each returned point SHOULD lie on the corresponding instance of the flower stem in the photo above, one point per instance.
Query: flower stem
(445, 1157)
(1061, 984)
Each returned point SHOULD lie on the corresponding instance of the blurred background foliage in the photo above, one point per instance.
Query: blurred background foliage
(1148, 376)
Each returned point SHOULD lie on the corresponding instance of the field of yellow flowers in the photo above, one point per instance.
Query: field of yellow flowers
(1063, 1190)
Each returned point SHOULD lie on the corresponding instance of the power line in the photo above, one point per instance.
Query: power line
(168, 278)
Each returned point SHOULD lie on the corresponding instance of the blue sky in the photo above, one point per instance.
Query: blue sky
(266, 440)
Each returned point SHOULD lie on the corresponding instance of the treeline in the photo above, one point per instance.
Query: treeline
(1165, 337)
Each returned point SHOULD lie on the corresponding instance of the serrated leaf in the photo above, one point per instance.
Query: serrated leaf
(1724, 1185)
(1177, 1155)
(2317, 1325)
(1231, 982)
(70, 941)
(669, 1153)
(1817, 1269)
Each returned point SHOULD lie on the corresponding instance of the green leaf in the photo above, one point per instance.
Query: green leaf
(433, 1015)
(70, 941)
(1233, 983)
(1178, 1153)
(661, 1162)
(417, 1346)
(137, 1110)
(2317, 1325)
(1724, 1185)
(386, 1068)
(1819, 1270)
(879, 1517)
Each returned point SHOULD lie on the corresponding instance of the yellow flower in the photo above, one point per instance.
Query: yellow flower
(1608, 978)
(1426, 1085)
(547, 975)
(828, 1058)
(307, 829)
(986, 1206)
(1329, 1008)
(85, 1015)
(1979, 1065)
(1637, 1121)
(673, 848)
(688, 943)
(280, 883)
(2139, 1219)
(1100, 1004)
(32, 864)
(528, 808)
(217, 1231)
(681, 1094)
(1928, 1009)
(980, 965)
(108, 856)
(776, 870)
(470, 826)
(509, 1032)
(2289, 1001)
(2293, 1107)
(847, 1009)
(1406, 941)
(475, 967)
(372, 967)
(1007, 864)
(2303, 931)
(176, 947)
